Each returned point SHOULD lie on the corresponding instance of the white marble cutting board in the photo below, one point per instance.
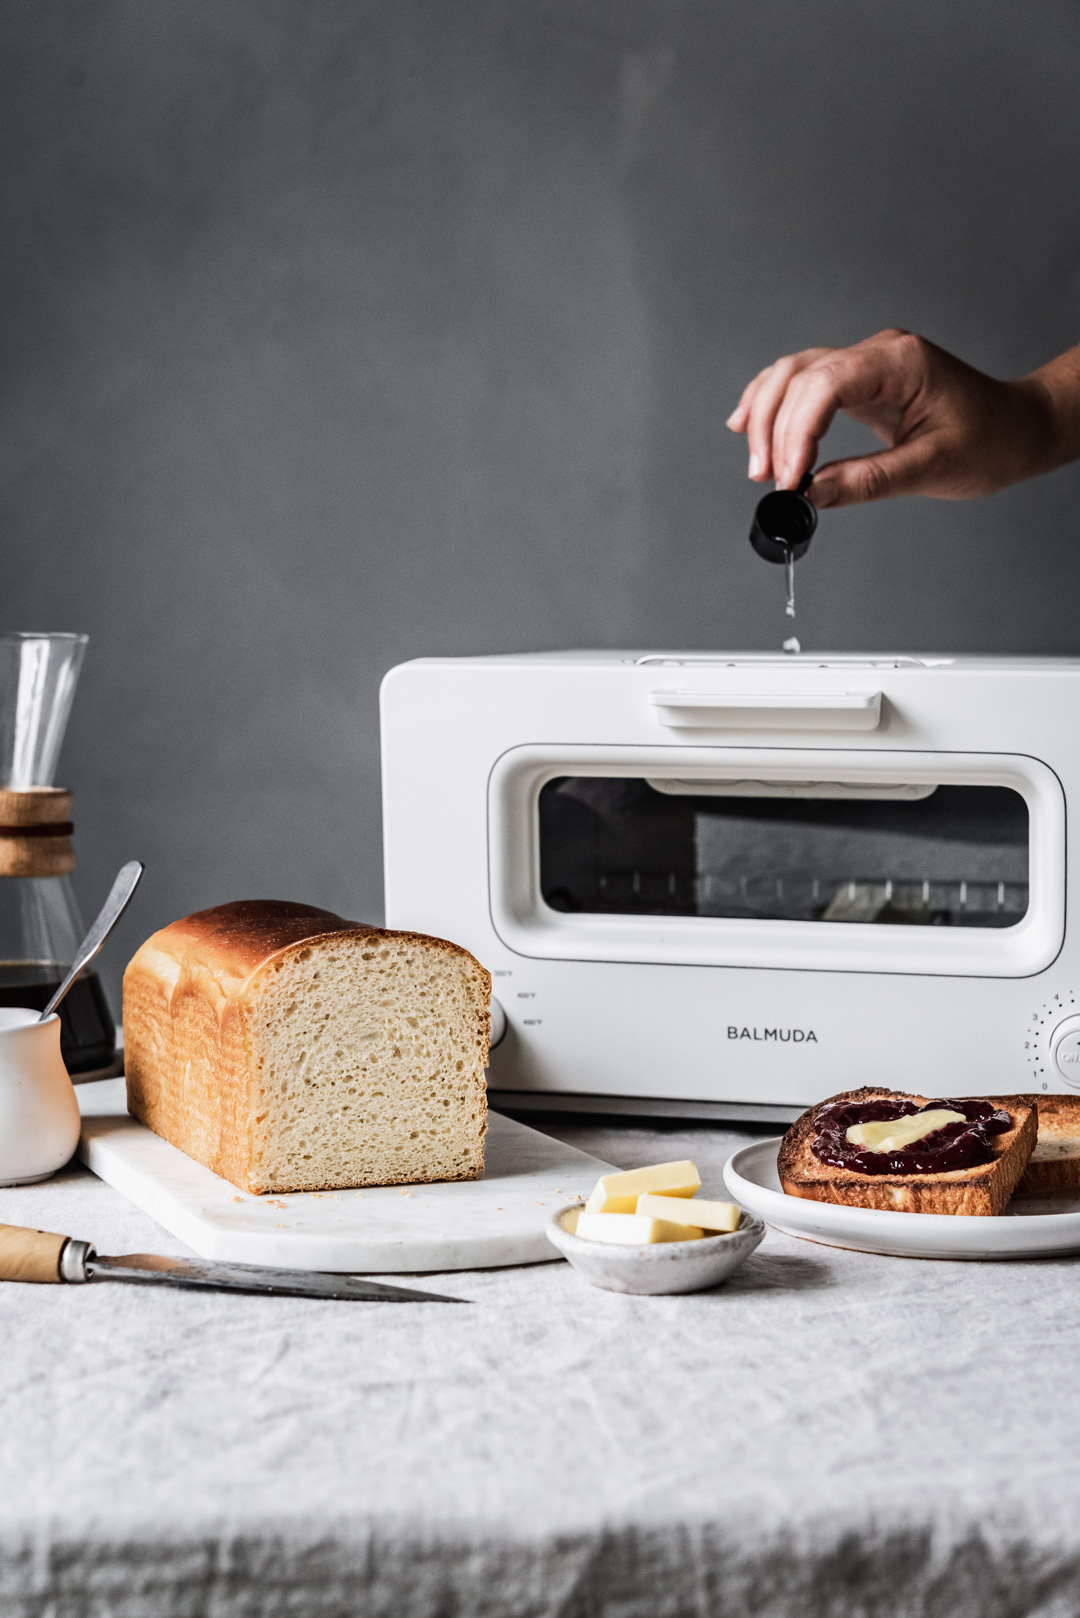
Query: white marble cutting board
(452, 1225)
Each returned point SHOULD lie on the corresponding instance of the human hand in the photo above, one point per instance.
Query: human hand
(951, 431)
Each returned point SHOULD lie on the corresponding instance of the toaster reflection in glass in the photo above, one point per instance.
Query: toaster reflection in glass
(730, 885)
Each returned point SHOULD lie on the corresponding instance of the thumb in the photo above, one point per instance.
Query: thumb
(880, 476)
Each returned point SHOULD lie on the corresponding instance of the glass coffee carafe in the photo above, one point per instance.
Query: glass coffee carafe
(40, 924)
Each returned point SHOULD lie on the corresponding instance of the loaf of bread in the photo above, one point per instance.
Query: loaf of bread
(291, 1050)
(1053, 1168)
(983, 1189)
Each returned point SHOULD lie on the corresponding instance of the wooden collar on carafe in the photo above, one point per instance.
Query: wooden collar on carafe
(35, 832)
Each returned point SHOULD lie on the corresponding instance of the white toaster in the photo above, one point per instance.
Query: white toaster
(732, 884)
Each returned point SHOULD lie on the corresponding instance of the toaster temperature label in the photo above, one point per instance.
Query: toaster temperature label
(785, 1036)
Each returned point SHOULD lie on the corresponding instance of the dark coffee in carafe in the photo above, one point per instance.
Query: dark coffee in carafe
(87, 1031)
(40, 924)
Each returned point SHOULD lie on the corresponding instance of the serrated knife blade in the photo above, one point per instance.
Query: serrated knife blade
(202, 1273)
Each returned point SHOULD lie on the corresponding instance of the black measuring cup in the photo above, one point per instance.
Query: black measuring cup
(784, 523)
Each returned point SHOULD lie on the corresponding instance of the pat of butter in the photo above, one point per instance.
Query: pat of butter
(618, 1193)
(710, 1215)
(634, 1230)
(893, 1134)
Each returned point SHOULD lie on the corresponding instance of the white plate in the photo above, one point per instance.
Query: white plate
(1032, 1228)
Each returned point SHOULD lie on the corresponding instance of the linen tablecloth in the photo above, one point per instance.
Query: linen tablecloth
(829, 1433)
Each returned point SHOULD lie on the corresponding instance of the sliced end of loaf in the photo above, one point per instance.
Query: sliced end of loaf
(367, 1057)
(1053, 1168)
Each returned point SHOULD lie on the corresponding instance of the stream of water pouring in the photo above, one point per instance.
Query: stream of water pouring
(791, 644)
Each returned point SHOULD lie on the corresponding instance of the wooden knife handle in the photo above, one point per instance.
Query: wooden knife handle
(29, 1255)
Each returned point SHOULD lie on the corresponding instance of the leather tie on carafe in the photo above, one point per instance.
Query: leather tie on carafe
(35, 832)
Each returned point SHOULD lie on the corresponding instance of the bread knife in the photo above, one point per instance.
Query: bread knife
(41, 1255)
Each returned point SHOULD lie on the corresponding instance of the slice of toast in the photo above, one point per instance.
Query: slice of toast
(984, 1189)
(1053, 1168)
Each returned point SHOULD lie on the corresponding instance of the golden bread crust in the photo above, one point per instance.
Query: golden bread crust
(984, 1189)
(233, 940)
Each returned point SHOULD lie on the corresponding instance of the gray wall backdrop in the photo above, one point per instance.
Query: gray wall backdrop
(338, 332)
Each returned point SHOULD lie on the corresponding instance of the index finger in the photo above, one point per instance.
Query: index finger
(804, 417)
(740, 415)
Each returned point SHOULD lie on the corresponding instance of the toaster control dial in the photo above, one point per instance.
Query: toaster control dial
(498, 1026)
(1065, 1051)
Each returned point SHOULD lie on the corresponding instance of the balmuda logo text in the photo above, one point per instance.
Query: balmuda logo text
(784, 1036)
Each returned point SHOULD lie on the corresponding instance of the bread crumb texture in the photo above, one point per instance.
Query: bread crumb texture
(368, 1067)
(351, 1059)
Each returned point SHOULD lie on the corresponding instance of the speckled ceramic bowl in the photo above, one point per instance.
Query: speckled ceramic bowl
(656, 1267)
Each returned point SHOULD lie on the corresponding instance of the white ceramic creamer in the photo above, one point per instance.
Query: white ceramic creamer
(39, 1115)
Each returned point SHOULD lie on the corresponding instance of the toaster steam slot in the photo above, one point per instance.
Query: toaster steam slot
(703, 787)
(768, 710)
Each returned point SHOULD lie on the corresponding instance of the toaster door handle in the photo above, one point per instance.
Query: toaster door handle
(768, 710)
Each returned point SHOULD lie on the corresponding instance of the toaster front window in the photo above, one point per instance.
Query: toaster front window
(924, 855)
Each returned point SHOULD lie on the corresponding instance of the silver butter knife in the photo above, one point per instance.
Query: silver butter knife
(42, 1255)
